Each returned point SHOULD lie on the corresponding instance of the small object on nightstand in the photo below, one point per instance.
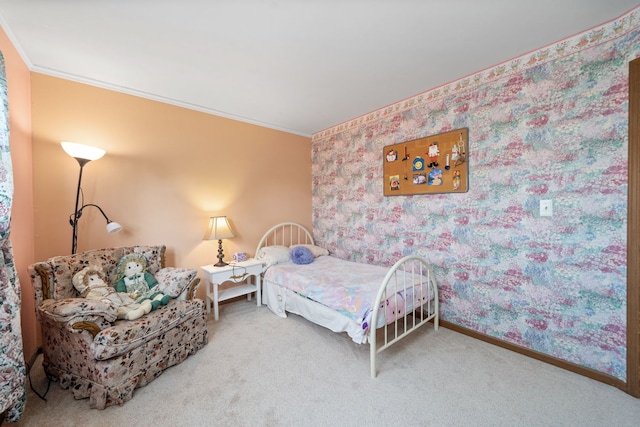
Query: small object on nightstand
(240, 256)
(236, 273)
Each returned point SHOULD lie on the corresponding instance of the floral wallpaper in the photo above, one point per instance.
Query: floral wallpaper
(12, 369)
(548, 125)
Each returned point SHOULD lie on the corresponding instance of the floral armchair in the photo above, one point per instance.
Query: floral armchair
(87, 349)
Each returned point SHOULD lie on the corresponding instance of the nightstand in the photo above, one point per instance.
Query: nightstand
(235, 272)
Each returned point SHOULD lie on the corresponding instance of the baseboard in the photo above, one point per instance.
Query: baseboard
(563, 364)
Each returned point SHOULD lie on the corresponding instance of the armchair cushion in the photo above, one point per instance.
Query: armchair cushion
(125, 335)
(76, 309)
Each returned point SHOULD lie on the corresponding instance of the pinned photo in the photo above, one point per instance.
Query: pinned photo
(419, 178)
(394, 182)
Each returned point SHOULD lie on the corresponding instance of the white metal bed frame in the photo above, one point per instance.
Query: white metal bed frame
(404, 274)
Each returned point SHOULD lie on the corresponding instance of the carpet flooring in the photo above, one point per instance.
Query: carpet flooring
(261, 370)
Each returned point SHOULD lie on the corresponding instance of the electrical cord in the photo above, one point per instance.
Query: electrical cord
(240, 276)
(41, 396)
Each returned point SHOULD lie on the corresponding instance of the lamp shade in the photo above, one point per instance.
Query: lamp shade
(113, 227)
(81, 151)
(218, 229)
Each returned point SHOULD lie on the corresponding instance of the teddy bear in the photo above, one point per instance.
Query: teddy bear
(91, 283)
(133, 278)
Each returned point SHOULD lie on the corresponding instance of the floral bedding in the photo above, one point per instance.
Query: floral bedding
(350, 288)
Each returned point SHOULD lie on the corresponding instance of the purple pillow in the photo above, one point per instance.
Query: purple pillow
(301, 255)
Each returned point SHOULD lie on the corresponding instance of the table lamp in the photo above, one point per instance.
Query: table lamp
(219, 229)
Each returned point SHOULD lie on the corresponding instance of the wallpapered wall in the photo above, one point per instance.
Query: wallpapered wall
(548, 125)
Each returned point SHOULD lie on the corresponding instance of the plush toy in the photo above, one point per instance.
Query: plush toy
(393, 307)
(134, 278)
(91, 283)
(419, 297)
(301, 255)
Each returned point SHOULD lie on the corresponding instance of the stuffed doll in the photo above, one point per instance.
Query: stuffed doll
(133, 278)
(91, 283)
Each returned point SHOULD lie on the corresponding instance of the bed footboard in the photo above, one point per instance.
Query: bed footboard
(409, 296)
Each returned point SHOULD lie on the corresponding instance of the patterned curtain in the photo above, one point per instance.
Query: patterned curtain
(12, 369)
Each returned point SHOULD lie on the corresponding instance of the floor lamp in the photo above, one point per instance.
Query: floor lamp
(84, 154)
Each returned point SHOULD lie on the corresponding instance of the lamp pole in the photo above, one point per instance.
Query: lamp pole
(74, 220)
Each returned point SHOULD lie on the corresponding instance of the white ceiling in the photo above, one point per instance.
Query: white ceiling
(296, 65)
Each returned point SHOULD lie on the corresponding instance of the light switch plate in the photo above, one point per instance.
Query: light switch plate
(546, 208)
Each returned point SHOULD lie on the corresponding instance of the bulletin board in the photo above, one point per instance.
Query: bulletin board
(430, 165)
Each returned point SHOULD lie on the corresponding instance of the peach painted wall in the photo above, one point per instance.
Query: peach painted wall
(166, 171)
(19, 91)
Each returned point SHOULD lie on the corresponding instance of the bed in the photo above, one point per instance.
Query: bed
(372, 304)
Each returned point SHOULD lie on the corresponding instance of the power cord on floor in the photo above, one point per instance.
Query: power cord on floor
(29, 365)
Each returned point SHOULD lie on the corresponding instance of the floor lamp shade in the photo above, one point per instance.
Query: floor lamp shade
(84, 154)
(219, 229)
(81, 151)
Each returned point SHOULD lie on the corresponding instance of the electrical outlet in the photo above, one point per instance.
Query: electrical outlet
(546, 208)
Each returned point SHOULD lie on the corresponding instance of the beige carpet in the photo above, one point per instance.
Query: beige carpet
(260, 370)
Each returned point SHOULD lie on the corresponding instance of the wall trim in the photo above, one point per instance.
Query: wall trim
(563, 364)
(595, 36)
(633, 234)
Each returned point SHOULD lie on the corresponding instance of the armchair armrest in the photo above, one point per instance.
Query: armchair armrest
(190, 292)
(180, 283)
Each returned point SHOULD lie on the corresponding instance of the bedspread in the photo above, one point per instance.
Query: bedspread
(349, 288)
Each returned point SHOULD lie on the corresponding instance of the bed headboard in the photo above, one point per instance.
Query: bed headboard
(286, 234)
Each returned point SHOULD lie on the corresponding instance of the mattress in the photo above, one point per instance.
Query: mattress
(339, 294)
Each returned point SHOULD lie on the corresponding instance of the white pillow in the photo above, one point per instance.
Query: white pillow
(272, 255)
(315, 250)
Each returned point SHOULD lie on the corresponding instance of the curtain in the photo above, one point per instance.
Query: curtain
(12, 367)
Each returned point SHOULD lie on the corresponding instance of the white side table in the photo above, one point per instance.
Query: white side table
(235, 272)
